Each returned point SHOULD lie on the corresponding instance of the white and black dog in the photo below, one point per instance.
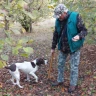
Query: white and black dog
(28, 68)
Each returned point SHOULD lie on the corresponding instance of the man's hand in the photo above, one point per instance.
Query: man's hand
(76, 38)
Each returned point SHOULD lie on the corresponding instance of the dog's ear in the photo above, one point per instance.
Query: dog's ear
(33, 64)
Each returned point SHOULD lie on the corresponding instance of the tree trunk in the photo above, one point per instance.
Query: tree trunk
(30, 28)
(6, 24)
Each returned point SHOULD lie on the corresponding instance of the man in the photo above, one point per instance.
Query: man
(69, 34)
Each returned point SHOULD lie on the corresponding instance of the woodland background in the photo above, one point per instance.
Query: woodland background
(26, 29)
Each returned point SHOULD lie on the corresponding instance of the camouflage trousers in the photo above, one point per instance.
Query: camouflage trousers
(74, 63)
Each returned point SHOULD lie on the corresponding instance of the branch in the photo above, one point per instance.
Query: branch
(40, 5)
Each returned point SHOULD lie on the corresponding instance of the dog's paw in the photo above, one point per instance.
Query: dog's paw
(27, 80)
(36, 81)
(14, 83)
(8, 81)
(21, 86)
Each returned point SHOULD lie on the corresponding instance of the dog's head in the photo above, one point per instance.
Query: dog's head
(40, 61)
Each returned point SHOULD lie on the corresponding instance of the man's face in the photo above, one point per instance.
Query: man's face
(63, 16)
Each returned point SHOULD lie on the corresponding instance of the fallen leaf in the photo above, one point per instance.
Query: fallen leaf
(1, 85)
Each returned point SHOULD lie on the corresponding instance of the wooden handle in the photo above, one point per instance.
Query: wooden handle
(50, 66)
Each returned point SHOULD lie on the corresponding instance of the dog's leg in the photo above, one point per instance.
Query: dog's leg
(17, 82)
(28, 78)
(12, 80)
(17, 77)
(33, 74)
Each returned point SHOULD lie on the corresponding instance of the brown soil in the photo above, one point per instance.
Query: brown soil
(42, 37)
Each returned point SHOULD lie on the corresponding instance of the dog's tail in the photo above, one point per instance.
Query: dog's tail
(7, 67)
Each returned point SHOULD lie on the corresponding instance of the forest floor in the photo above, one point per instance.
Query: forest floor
(42, 38)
